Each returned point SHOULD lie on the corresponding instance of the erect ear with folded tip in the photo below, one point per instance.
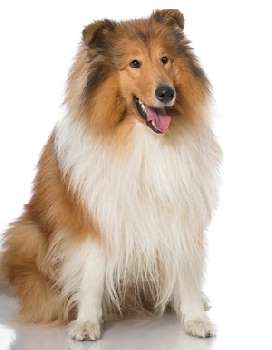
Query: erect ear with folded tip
(96, 33)
(170, 17)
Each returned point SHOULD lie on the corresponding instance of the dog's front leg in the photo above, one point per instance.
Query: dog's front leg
(188, 300)
(90, 292)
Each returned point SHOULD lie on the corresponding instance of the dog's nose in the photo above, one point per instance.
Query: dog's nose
(165, 93)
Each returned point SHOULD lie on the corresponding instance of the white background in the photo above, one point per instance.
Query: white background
(233, 41)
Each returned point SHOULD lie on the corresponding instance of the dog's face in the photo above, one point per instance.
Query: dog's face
(147, 65)
(147, 82)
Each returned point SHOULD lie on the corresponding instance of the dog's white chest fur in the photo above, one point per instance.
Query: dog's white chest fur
(152, 204)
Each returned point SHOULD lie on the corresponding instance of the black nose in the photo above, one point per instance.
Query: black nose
(165, 93)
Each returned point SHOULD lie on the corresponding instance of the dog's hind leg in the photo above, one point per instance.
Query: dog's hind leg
(25, 268)
(206, 302)
(38, 299)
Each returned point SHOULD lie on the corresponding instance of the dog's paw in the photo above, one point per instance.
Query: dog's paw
(206, 302)
(202, 328)
(84, 330)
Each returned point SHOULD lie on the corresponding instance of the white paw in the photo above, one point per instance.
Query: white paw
(206, 302)
(202, 328)
(84, 330)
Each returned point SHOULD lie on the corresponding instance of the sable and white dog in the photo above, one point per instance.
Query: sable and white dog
(125, 187)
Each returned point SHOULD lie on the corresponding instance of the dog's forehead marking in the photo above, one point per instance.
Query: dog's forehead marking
(139, 48)
(143, 35)
(136, 48)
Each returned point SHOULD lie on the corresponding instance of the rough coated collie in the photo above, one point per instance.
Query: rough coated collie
(125, 186)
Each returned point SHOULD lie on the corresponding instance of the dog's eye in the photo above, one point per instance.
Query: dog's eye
(164, 59)
(135, 64)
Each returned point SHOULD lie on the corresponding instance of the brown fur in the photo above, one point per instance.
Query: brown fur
(100, 90)
(34, 240)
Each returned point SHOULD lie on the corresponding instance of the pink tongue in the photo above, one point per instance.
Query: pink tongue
(159, 118)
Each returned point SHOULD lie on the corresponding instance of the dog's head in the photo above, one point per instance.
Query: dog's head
(141, 69)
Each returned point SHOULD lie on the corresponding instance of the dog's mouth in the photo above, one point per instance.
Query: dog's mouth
(156, 119)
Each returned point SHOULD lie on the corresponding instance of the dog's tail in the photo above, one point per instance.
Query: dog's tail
(5, 287)
(3, 279)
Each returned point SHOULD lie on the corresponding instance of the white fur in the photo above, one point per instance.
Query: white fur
(152, 203)
(80, 263)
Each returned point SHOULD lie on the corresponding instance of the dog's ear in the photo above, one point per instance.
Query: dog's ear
(96, 33)
(169, 16)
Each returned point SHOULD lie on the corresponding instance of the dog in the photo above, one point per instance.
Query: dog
(125, 187)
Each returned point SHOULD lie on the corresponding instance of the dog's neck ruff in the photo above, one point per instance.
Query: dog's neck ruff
(151, 205)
